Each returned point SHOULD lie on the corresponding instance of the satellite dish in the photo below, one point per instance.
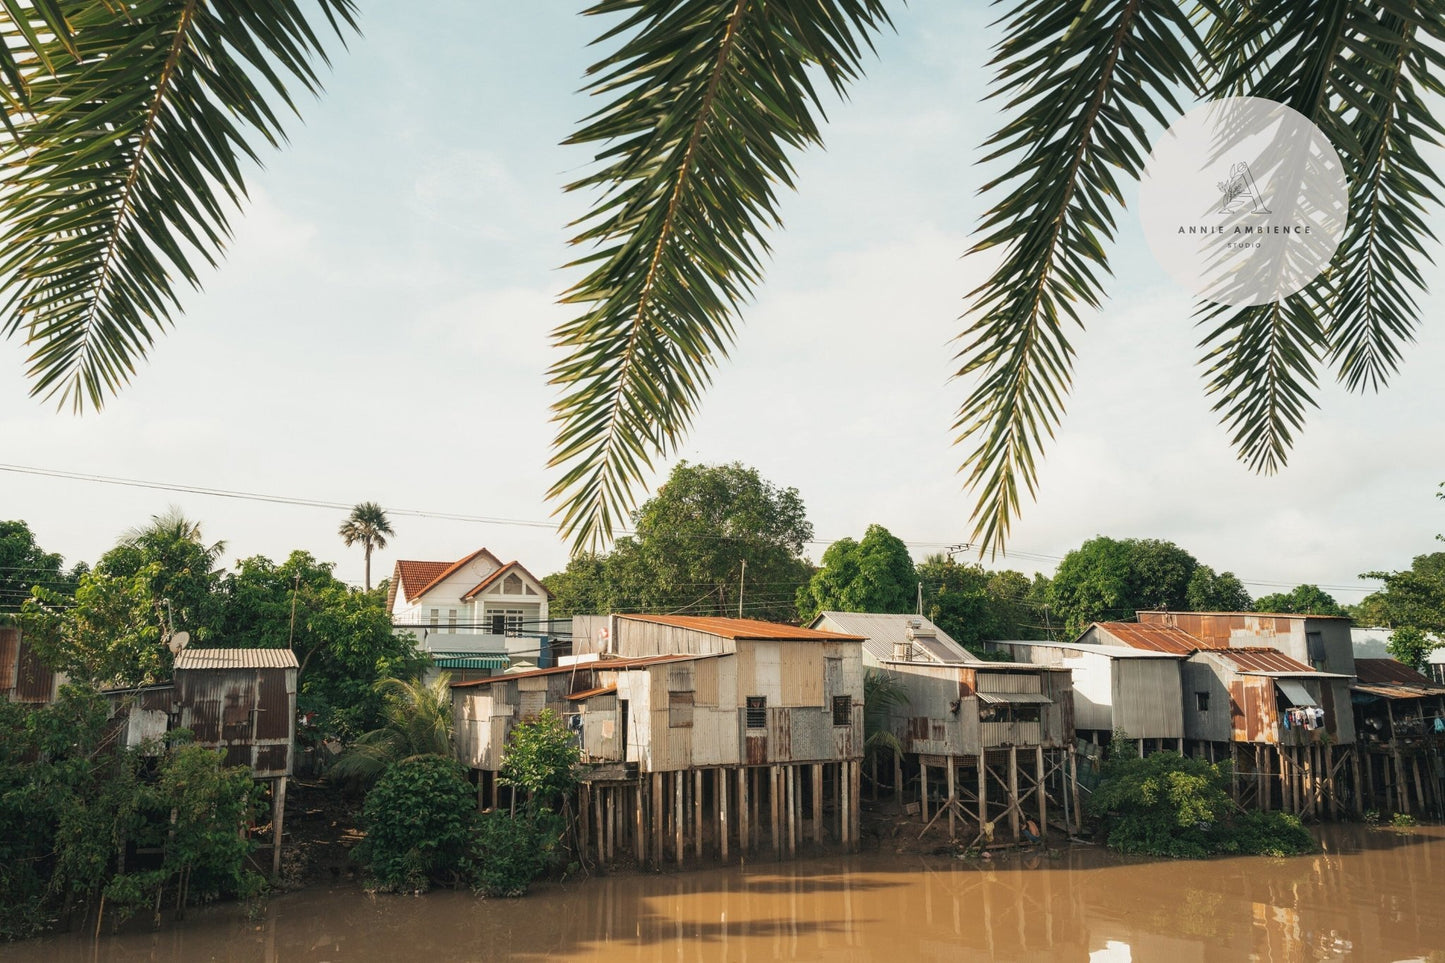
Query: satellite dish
(178, 642)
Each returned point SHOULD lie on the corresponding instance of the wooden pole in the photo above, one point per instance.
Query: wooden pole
(1330, 783)
(678, 815)
(601, 827)
(278, 792)
(584, 802)
(856, 830)
(1414, 766)
(792, 796)
(983, 792)
(1074, 788)
(639, 829)
(658, 796)
(1013, 790)
(845, 818)
(744, 839)
(1359, 786)
(952, 793)
(774, 782)
(873, 774)
(1261, 780)
(697, 817)
(1234, 772)
(818, 803)
(898, 780)
(923, 791)
(1042, 792)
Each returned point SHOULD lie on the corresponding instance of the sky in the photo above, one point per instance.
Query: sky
(379, 331)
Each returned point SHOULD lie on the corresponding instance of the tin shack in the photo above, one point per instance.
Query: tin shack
(22, 676)
(1400, 725)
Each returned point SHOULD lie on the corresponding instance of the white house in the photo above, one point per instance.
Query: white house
(475, 616)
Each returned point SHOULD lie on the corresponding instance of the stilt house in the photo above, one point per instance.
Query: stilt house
(1400, 723)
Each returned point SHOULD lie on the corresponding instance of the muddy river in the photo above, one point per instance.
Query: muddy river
(1371, 895)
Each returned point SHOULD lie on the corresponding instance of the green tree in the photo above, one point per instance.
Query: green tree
(1211, 592)
(586, 586)
(1300, 600)
(1412, 602)
(702, 117)
(417, 721)
(874, 575)
(419, 824)
(1411, 646)
(541, 758)
(25, 565)
(368, 525)
(111, 632)
(975, 606)
(184, 569)
(1108, 578)
(343, 637)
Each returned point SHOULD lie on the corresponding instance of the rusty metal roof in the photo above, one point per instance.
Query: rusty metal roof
(1390, 672)
(236, 659)
(747, 629)
(589, 693)
(1263, 660)
(597, 665)
(1157, 638)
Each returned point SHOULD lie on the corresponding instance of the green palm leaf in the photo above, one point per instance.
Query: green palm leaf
(124, 161)
(1081, 81)
(706, 99)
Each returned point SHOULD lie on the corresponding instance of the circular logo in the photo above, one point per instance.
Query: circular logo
(1243, 201)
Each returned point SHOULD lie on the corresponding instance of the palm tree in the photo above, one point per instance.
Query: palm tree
(368, 525)
(882, 693)
(705, 106)
(417, 722)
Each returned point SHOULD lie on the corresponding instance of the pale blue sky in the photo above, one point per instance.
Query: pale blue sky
(379, 331)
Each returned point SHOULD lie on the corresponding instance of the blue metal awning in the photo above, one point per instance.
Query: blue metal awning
(469, 660)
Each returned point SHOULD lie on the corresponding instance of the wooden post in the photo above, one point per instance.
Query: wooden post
(818, 803)
(601, 827)
(923, 789)
(1414, 767)
(496, 792)
(1013, 790)
(983, 792)
(679, 847)
(584, 802)
(898, 780)
(721, 788)
(744, 829)
(278, 818)
(1042, 792)
(845, 818)
(1355, 774)
(856, 831)
(639, 828)
(791, 777)
(697, 820)
(773, 786)
(1074, 788)
(952, 792)
(658, 796)
(1330, 783)
(1234, 772)
(873, 771)
(1261, 780)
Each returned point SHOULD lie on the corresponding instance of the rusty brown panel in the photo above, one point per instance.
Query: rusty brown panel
(1237, 711)
(937, 731)
(272, 759)
(780, 733)
(238, 756)
(757, 747)
(9, 656)
(274, 720)
(967, 682)
(33, 681)
(918, 728)
(158, 699)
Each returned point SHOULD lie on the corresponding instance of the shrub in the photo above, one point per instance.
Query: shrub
(510, 852)
(418, 821)
(1267, 834)
(540, 758)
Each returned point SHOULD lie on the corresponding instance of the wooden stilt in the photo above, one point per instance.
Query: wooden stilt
(923, 789)
(792, 798)
(857, 830)
(584, 804)
(679, 845)
(1041, 791)
(845, 816)
(601, 827)
(983, 795)
(1330, 793)
(952, 794)
(898, 779)
(723, 789)
(1074, 788)
(744, 829)
(773, 786)
(658, 798)
(1359, 793)
(697, 819)
(1234, 772)
(278, 818)
(1414, 766)
(1013, 790)
(818, 803)
(639, 827)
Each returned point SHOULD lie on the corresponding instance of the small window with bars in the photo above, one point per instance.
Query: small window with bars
(843, 710)
(1201, 701)
(757, 712)
(679, 710)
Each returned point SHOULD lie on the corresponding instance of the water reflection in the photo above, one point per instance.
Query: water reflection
(1369, 895)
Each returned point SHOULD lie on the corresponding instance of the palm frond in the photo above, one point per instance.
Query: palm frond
(1081, 82)
(1391, 61)
(706, 100)
(124, 163)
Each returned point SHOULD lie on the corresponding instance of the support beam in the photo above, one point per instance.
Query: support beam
(658, 797)
(791, 779)
(1013, 790)
(818, 803)
(923, 790)
(697, 815)
(845, 818)
(679, 815)
(1074, 788)
(1042, 791)
(983, 795)
(278, 819)
(773, 785)
(744, 840)
(952, 795)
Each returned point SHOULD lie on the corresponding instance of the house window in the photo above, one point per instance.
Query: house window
(1315, 647)
(679, 710)
(451, 620)
(435, 617)
(1201, 701)
(757, 712)
(843, 710)
(506, 621)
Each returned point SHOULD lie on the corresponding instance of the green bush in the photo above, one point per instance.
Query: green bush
(541, 756)
(419, 824)
(510, 852)
(1170, 805)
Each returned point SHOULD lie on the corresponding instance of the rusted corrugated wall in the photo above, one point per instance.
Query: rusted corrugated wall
(248, 712)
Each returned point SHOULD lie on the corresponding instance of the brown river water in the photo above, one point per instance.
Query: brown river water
(1371, 895)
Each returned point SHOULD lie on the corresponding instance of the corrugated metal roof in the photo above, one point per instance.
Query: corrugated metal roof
(1261, 659)
(1390, 672)
(747, 629)
(1027, 698)
(589, 693)
(880, 631)
(236, 659)
(1295, 692)
(1111, 651)
(597, 665)
(1158, 638)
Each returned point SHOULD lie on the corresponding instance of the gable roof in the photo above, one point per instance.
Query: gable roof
(235, 659)
(1261, 660)
(514, 565)
(1388, 672)
(881, 631)
(418, 578)
(746, 629)
(1158, 638)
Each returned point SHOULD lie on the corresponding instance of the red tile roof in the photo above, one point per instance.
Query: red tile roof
(481, 586)
(419, 578)
(747, 629)
(1261, 659)
(1390, 672)
(1157, 638)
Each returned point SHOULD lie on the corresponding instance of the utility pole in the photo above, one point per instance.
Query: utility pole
(920, 599)
(742, 579)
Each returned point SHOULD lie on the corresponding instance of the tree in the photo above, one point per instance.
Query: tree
(368, 525)
(975, 606)
(184, 569)
(111, 632)
(417, 721)
(702, 117)
(1300, 600)
(24, 565)
(874, 575)
(1109, 578)
(1211, 592)
(1412, 602)
(343, 637)
(692, 539)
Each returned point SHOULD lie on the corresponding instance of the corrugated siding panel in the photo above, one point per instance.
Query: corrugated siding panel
(1010, 734)
(9, 658)
(767, 673)
(800, 675)
(601, 731)
(1009, 682)
(704, 682)
(1148, 703)
(1213, 724)
(34, 682)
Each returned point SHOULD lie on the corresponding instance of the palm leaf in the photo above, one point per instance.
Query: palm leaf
(124, 162)
(706, 100)
(1081, 81)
